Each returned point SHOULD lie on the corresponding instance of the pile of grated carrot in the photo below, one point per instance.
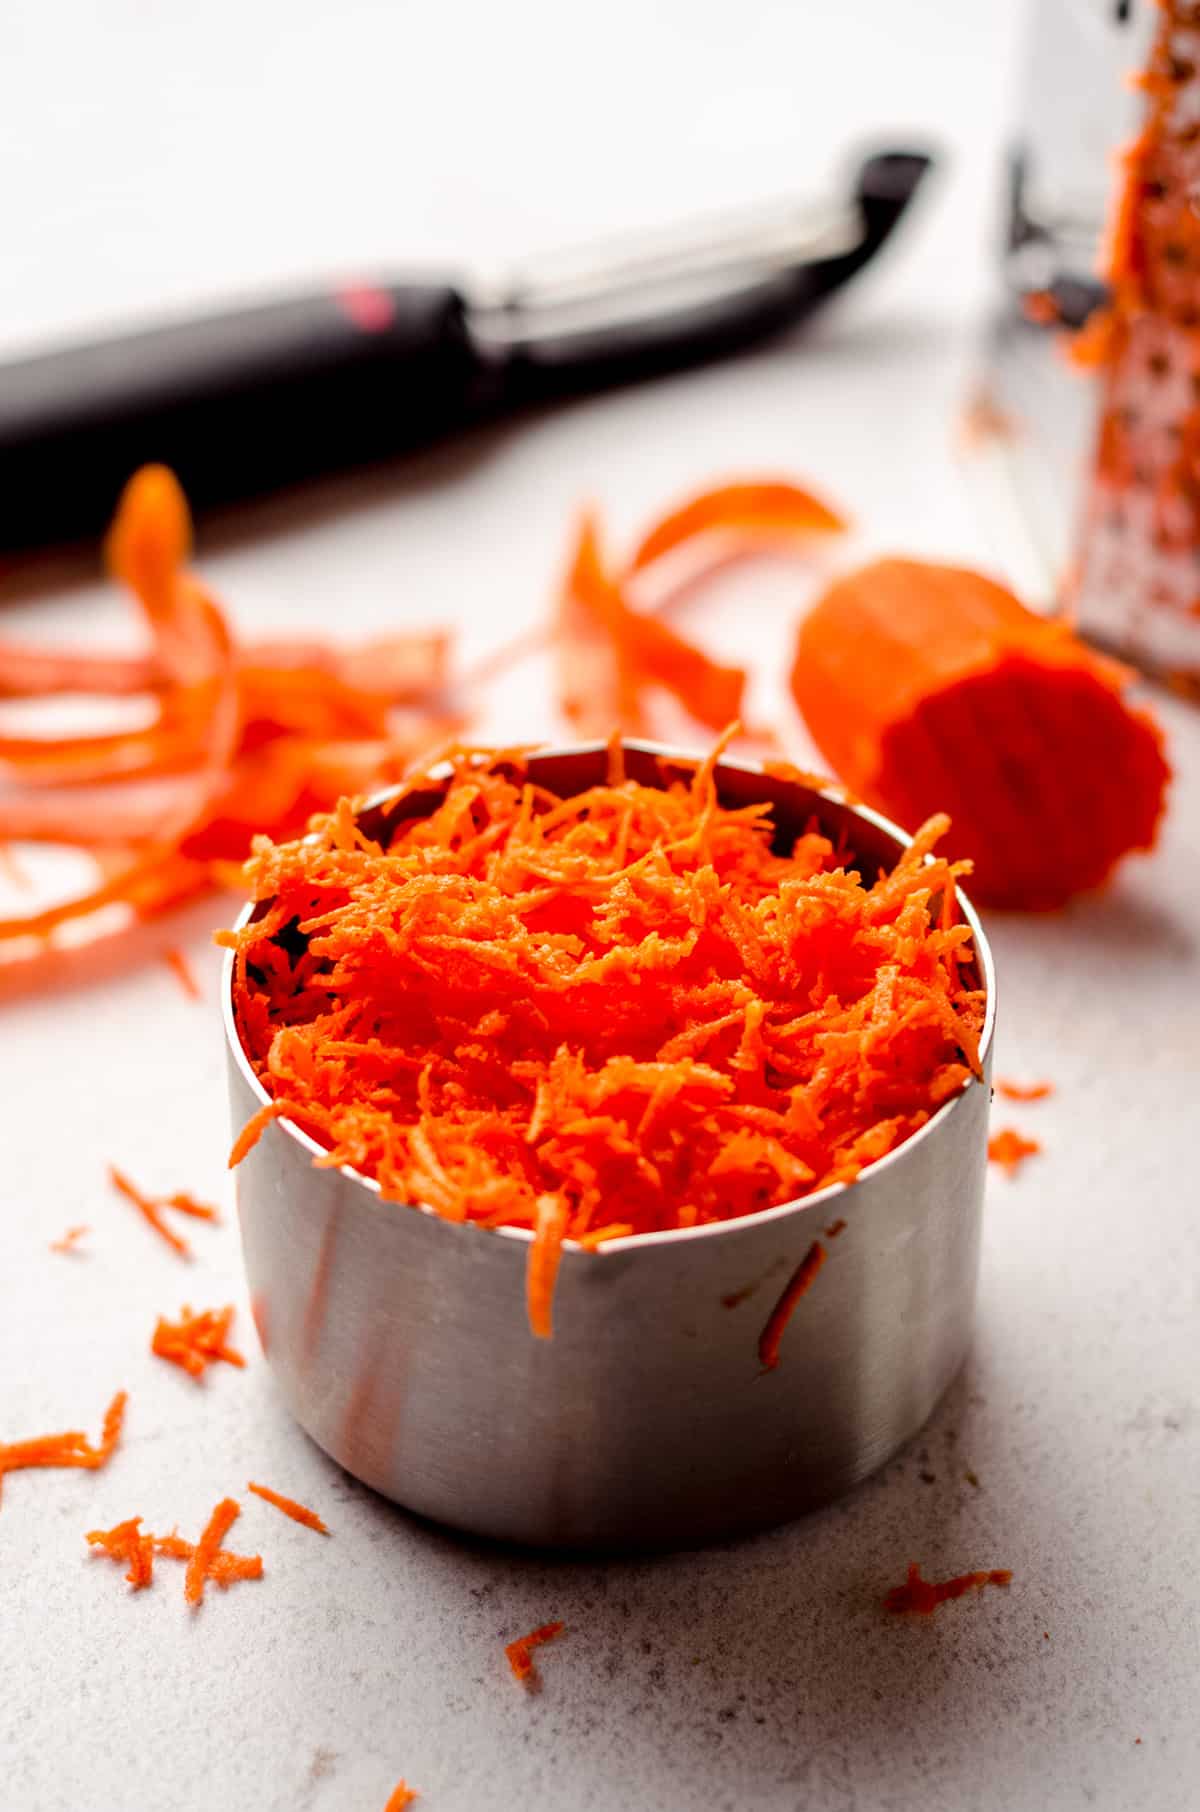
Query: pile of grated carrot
(610, 1014)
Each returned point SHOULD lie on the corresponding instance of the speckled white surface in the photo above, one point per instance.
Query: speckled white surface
(176, 154)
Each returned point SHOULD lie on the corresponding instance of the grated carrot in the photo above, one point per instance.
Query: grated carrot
(177, 961)
(1023, 1091)
(530, 1008)
(224, 1569)
(922, 1596)
(203, 1555)
(401, 1795)
(520, 1653)
(151, 1209)
(70, 1449)
(196, 1340)
(1009, 1149)
(799, 1284)
(126, 1542)
(289, 1506)
(69, 1241)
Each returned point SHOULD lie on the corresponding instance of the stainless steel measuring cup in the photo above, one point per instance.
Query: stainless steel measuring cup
(400, 1343)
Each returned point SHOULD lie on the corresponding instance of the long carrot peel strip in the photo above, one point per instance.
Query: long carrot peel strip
(930, 688)
(401, 1795)
(203, 1556)
(299, 1513)
(196, 1341)
(70, 1239)
(126, 1542)
(922, 1596)
(798, 1285)
(1023, 1091)
(762, 510)
(70, 1449)
(1009, 1149)
(151, 1208)
(529, 1008)
(520, 1653)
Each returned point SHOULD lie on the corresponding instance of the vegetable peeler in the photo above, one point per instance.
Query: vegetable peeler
(247, 401)
(399, 1340)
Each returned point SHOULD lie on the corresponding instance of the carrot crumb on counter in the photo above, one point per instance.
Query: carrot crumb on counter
(203, 1556)
(70, 1449)
(921, 1597)
(69, 1242)
(196, 1340)
(1009, 1149)
(836, 1227)
(126, 1542)
(520, 1653)
(178, 962)
(298, 1512)
(1023, 1091)
(401, 1795)
(519, 1007)
(799, 1284)
(151, 1208)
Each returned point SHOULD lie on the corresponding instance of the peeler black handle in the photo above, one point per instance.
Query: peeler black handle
(237, 403)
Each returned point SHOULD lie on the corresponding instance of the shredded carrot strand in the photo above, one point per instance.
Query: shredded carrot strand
(69, 1241)
(799, 1284)
(1023, 1091)
(196, 1340)
(922, 1596)
(151, 1209)
(203, 1556)
(402, 1795)
(70, 1449)
(178, 962)
(298, 1512)
(1009, 1149)
(126, 1542)
(520, 1653)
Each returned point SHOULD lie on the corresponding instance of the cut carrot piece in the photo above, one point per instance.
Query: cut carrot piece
(1009, 1149)
(799, 1284)
(929, 688)
(180, 966)
(70, 1449)
(70, 1239)
(761, 510)
(196, 1341)
(922, 1596)
(224, 1569)
(200, 1564)
(520, 1653)
(1023, 1091)
(402, 1795)
(151, 1209)
(126, 1542)
(298, 1512)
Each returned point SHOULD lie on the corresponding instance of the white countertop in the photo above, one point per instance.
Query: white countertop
(160, 155)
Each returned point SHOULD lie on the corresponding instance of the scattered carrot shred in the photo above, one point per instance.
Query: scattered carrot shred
(298, 1512)
(126, 1542)
(520, 1653)
(203, 1556)
(921, 1597)
(1023, 1091)
(224, 1569)
(799, 1284)
(70, 1449)
(529, 1008)
(835, 1227)
(151, 1208)
(180, 966)
(1009, 1149)
(401, 1795)
(197, 1340)
(69, 1241)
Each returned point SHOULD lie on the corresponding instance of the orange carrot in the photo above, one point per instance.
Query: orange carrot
(178, 963)
(520, 1653)
(922, 1596)
(195, 1341)
(929, 688)
(799, 1284)
(566, 995)
(1023, 1091)
(70, 1449)
(289, 1506)
(758, 510)
(200, 1564)
(126, 1542)
(70, 1239)
(151, 1208)
(401, 1795)
(1009, 1149)
(224, 1569)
